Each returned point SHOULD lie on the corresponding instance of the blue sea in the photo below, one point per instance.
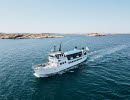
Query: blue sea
(104, 76)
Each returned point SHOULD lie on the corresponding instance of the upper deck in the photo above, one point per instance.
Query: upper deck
(72, 52)
(56, 53)
(68, 54)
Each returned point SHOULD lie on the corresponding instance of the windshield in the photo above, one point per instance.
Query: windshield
(51, 56)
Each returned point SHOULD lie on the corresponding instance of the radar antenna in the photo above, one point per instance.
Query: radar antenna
(60, 47)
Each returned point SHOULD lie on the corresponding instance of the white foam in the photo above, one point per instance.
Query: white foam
(71, 71)
(95, 52)
(101, 53)
(68, 41)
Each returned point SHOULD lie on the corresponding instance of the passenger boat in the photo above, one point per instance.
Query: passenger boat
(59, 61)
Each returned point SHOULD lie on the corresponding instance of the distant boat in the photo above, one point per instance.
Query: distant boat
(60, 61)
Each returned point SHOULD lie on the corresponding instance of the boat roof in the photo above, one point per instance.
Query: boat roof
(55, 53)
(72, 52)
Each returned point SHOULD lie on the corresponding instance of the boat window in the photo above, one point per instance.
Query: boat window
(57, 56)
(51, 56)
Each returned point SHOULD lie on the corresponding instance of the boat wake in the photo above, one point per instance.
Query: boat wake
(101, 53)
(68, 41)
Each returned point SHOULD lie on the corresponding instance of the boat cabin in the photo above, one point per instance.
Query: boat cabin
(73, 54)
(56, 55)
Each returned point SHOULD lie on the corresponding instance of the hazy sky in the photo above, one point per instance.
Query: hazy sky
(65, 16)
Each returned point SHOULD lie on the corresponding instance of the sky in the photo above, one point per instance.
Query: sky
(65, 16)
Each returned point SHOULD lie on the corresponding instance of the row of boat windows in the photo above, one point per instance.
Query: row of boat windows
(62, 63)
(75, 60)
(73, 56)
(57, 56)
(70, 61)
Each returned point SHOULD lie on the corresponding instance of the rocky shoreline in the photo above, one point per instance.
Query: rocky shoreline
(94, 34)
(27, 35)
(101, 34)
(46, 35)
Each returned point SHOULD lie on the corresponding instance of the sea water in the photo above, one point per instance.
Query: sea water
(104, 76)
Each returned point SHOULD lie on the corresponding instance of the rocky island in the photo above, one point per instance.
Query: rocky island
(28, 35)
(94, 34)
(101, 34)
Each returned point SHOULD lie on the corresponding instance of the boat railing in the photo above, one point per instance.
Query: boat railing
(41, 65)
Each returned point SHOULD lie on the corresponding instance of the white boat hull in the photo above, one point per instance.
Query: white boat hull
(45, 72)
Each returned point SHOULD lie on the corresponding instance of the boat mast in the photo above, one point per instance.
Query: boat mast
(54, 48)
(60, 48)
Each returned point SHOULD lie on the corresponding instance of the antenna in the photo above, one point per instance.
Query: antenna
(60, 47)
